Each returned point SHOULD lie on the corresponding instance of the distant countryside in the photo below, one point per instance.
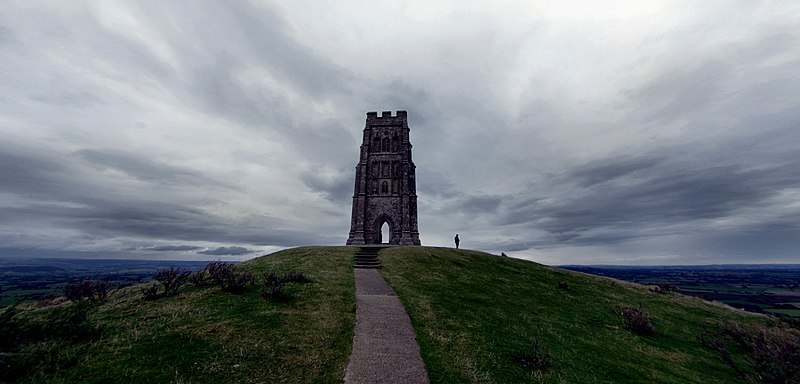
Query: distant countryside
(770, 289)
(38, 279)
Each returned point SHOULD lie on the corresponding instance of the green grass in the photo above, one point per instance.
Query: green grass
(474, 311)
(206, 335)
(473, 314)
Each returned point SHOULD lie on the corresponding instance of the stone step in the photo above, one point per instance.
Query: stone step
(367, 258)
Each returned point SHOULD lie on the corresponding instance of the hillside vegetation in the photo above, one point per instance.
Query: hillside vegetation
(476, 316)
(200, 335)
(479, 318)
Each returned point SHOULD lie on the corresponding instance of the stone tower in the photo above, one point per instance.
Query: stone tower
(385, 191)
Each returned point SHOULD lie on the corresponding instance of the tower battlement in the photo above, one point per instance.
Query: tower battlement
(387, 115)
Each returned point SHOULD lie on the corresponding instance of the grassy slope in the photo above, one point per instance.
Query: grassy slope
(473, 311)
(205, 335)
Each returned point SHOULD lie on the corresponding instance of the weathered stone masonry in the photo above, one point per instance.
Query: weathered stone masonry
(385, 188)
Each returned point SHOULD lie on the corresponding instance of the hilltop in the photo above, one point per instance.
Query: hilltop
(476, 316)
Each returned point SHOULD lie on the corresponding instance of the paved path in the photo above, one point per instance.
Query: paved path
(385, 348)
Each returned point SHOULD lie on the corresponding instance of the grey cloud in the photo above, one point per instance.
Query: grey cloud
(6, 34)
(664, 194)
(27, 174)
(169, 248)
(435, 183)
(336, 187)
(261, 38)
(225, 251)
(472, 205)
(609, 169)
(71, 200)
(144, 168)
(73, 98)
(680, 92)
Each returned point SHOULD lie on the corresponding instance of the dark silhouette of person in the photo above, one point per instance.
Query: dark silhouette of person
(457, 241)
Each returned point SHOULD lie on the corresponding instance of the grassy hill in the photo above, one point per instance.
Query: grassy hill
(201, 335)
(475, 314)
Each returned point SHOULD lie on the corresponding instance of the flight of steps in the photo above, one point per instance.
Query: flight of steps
(367, 257)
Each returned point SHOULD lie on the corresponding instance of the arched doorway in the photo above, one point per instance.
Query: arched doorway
(385, 236)
(383, 230)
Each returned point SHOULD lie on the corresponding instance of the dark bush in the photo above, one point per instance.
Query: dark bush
(273, 285)
(172, 279)
(273, 291)
(765, 355)
(637, 320)
(94, 291)
(70, 322)
(151, 292)
(294, 277)
(9, 332)
(533, 357)
(563, 285)
(198, 278)
(271, 278)
(218, 271)
(237, 282)
(36, 342)
(663, 288)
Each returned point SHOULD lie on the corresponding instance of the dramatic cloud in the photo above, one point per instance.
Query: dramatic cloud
(226, 251)
(641, 132)
(171, 248)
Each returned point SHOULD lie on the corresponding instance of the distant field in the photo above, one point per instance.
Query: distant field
(771, 289)
(36, 279)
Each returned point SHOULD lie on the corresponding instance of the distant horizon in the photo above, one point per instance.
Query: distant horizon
(229, 259)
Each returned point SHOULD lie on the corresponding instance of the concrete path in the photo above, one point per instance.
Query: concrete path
(385, 348)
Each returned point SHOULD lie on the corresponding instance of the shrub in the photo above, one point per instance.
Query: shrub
(273, 291)
(294, 277)
(70, 322)
(237, 282)
(663, 288)
(272, 287)
(757, 354)
(563, 285)
(637, 320)
(151, 292)
(533, 357)
(172, 279)
(271, 278)
(78, 290)
(198, 278)
(218, 271)
(37, 343)
(9, 329)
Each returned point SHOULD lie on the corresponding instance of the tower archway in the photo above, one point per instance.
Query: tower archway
(383, 230)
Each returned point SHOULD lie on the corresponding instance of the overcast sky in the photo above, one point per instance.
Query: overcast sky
(598, 132)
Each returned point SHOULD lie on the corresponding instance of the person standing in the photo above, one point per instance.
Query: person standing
(457, 241)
